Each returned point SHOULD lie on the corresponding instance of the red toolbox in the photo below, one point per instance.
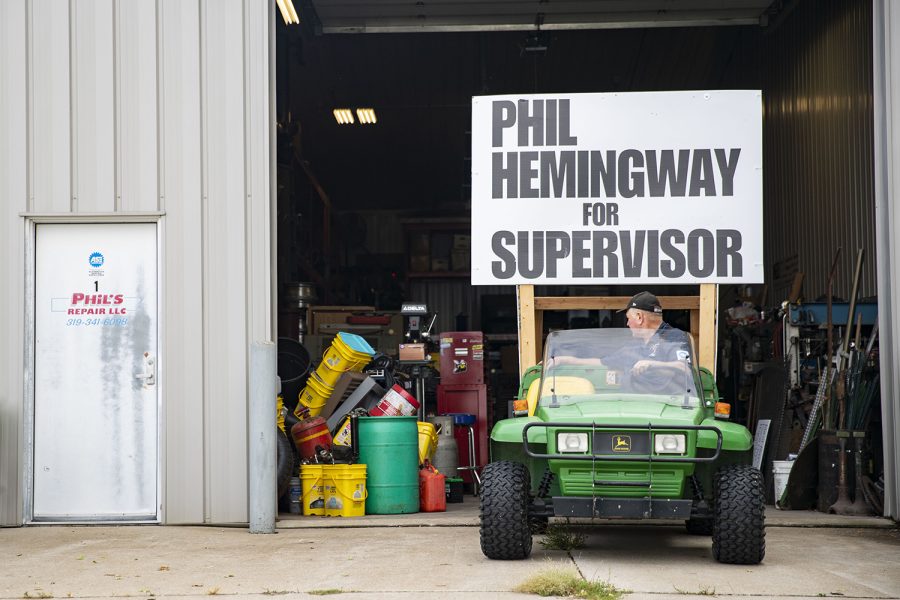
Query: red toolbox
(462, 357)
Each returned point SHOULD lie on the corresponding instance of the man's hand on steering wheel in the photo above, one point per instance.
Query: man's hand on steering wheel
(654, 377)
(641, 366)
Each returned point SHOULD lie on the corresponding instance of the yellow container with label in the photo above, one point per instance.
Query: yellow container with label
(343, 436)
(345, 490)
(312, 483)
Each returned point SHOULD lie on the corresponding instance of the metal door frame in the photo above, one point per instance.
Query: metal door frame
(29, 324)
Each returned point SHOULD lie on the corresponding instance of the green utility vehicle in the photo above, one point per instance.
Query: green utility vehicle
(602, 439)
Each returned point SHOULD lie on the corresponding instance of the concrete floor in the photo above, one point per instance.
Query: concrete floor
(437, 555)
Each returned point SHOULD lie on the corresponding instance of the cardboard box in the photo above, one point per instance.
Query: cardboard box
(420, 243)
(322, 315)
(412, 351)
(460, 260)
(419, 263)
(462, 241)
(440, 264)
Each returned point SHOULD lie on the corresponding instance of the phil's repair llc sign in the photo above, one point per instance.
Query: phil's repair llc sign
(648, 187)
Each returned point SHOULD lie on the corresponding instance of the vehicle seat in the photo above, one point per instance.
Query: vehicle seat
(565, 386)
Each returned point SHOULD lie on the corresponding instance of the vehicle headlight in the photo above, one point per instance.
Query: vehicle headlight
(572, 442)
(669, 443)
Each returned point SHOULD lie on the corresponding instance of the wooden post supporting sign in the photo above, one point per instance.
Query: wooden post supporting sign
(530, 311)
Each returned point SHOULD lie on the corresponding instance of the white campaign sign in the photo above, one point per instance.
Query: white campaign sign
(648, 187)
(96, 372)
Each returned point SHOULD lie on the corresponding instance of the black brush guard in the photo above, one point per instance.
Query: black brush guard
(619, 508)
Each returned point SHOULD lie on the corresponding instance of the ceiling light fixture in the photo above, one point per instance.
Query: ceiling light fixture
(344, 116)
(366, 116)
(288, 12)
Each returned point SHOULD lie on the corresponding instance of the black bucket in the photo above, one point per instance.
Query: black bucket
(293, 369)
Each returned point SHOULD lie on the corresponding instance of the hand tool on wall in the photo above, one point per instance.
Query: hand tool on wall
(829, 405)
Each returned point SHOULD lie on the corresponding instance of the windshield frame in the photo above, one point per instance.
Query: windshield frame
(571, 373)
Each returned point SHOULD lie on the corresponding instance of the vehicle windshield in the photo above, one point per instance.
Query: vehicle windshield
(582, 365)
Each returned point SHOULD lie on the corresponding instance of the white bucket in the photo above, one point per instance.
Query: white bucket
(781, 470)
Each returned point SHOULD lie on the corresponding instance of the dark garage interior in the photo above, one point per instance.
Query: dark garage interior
(374, 215)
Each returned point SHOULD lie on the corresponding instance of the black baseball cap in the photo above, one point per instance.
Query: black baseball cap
(644, 301)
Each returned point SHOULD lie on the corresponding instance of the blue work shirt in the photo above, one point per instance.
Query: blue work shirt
(666, 344)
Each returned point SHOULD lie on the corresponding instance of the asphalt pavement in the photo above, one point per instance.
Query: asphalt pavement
(437, 555)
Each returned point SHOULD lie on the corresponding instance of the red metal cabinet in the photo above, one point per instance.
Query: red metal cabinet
(462, 357)
(470, 399)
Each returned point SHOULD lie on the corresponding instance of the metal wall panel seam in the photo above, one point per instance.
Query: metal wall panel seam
(162, 289)
(29, 108)
(117, 111)
(13, 192)
(885, 103)
(204, 233)
(160, 115)
(248, 245)
(248, 233)
(893, 221)
(73, 114)
(273, 177)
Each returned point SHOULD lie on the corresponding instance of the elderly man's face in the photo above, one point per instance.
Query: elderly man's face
(638, 324)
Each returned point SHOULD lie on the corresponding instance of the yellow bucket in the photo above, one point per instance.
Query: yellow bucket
(428, 440)
(345, 490)
(339, 358)
(279, 413)
(327, 375)
(313, 490)
(314, 396)
(356, 358)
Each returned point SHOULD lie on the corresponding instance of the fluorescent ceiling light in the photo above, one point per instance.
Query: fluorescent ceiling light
(366, 116)
(344, 116)
(290, 6)
(288, 13)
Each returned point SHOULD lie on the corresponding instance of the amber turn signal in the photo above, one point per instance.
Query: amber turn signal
(520, 405)
(723, 410)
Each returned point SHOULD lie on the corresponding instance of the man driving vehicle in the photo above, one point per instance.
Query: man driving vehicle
(659, 346)
(663, 346)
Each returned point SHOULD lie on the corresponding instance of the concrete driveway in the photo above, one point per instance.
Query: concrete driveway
(437, 556)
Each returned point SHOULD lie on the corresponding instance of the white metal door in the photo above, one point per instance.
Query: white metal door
(96, 401)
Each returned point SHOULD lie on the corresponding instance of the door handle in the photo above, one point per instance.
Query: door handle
(149, 374)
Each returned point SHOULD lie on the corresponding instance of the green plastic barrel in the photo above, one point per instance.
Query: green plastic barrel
(389, 447)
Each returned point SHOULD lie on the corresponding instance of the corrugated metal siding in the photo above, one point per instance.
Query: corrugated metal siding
(452, 297)
(120, 107)
(180, 194)
(818, 146)
(887, 186)
(13, 194)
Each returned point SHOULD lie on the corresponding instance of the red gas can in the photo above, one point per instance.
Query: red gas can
(311, 433)
(432, 495)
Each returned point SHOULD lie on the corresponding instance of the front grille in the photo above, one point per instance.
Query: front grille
(667, 482)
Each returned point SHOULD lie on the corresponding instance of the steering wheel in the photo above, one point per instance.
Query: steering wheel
(658, 380)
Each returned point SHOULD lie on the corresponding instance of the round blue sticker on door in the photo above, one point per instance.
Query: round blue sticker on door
(95, 260)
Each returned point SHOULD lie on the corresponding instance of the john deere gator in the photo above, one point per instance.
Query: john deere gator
(601, 441)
